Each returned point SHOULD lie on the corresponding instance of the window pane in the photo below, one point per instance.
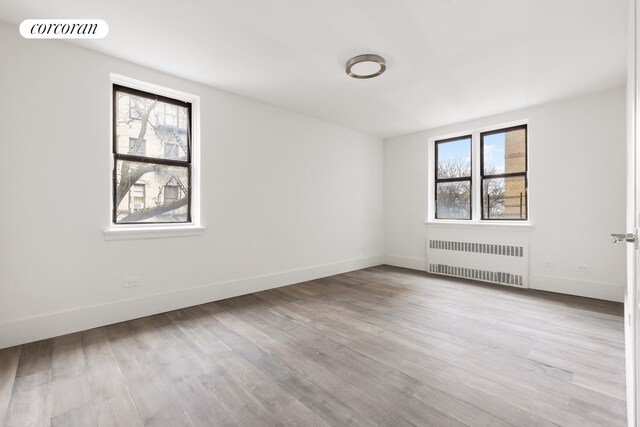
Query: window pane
(163, 127)
(504, 198)
(505, 152)
(454, 200)
(454, 158)
(142, 189)
(136, 106)
(137, 146)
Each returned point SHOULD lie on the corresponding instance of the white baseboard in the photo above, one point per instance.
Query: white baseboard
(562, 285)
(582, 288)
(405, 262)
(33, 328)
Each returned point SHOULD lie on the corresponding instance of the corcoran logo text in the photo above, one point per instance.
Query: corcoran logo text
(64, 28)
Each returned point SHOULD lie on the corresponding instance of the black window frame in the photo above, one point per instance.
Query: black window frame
(524, 174)
(146, 159)
(460, 179)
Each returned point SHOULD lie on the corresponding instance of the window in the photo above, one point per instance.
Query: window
(481, 175)
(453, 178)
(504, 173)
(146, 172)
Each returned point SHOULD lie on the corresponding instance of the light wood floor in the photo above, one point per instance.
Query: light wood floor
(381, 346)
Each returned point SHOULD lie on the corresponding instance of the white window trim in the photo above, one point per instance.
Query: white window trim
(476, 203)
(153, 231)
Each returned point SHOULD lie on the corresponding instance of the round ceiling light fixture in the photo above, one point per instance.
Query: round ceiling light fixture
(366, 66)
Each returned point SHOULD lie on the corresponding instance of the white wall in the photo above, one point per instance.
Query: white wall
(285, 198)
(577, 193)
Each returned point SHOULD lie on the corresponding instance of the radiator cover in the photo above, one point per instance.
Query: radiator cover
(500, 263)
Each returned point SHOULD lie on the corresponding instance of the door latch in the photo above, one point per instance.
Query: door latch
(629, 238)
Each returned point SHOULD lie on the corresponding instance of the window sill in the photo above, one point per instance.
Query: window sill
(484, 225)
(125, 232)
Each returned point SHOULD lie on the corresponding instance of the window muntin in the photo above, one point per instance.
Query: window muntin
(453, 183)
(156, 166)
(503, 174)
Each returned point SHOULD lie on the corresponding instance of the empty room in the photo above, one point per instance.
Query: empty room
(342, 213)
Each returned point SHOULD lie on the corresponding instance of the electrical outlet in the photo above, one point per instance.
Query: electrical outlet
(583, 268)
(131, 282)
(549, 264)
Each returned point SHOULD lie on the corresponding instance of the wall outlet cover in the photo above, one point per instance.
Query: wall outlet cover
(131, 282)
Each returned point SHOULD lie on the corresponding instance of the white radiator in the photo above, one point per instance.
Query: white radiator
(501, 263)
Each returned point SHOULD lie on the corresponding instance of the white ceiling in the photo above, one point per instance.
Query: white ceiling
(447, 60)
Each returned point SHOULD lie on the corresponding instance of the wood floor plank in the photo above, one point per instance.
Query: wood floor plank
(244, 408)
(440, 389)
(467, 413)
(174, 356)
(534, 403)
(118, 411)
(324, 402)
(285, 408)
(132, 344)
(130, 355)
(379, 346)
(283, 362)
(83, 416)
(105, 375)
(198, 404)
(399, 407)
(70, 388)
(111, 398)
(30, 403)
(69, 394)
(35, 358)
(193, 325)
(613, 389)
(156, 406)
(9, 358)
(67, 357)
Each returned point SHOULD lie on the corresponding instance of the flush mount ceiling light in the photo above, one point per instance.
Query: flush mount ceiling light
(365, 66)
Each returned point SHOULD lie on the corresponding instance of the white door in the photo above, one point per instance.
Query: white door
(633, 197)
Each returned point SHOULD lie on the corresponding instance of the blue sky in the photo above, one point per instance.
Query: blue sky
(454, 151)
(493, 151)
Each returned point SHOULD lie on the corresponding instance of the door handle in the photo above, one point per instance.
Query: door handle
(629, 238)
